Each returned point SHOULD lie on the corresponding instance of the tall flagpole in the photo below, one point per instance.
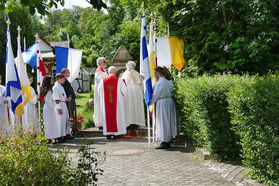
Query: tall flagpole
(38, 77)
(156, 64)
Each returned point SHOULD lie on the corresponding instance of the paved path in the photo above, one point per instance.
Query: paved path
(131, 162)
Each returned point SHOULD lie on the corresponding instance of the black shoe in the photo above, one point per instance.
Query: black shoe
(100, 128)
(59, 140)
(109, 137)
(133, 127)
(70, 137)
(163, 145)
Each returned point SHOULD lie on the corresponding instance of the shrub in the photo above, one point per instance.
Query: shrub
(203, 114)
(30, 161)
(254, 106)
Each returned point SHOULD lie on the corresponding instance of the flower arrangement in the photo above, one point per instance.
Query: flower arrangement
(91, 101)
(80, 119)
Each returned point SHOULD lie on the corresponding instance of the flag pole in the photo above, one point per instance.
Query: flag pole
(148, 126)
(18, 36)
(38, 77)
(151, 37)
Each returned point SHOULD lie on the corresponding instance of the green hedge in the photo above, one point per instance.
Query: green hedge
(203, 114)
(236, 117)
(254, 106)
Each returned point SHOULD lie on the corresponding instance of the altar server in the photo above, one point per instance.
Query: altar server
(49, 112)
(165, 112)
(60, 97)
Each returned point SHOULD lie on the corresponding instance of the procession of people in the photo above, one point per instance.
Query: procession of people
(118, 105)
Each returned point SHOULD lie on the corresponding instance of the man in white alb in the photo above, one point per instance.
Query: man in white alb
(135, 107)
(113, 92)
(100, 73)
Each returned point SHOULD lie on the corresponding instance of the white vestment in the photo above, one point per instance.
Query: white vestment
(121, 111)
(30, 116)
(135, 106)
(97, 115)
(166, 123)
(5, 123)
(51, 123)
(60, 94)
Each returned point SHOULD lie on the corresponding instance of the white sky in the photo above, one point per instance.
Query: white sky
(71, 3)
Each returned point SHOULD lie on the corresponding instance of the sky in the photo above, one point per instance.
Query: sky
(71, 3)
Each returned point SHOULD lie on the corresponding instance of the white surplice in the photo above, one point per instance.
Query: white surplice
(30, 116)
(51, 123)
(121, 111)
(97, 116)
(165, 114)
(135, 106)
(60, 94)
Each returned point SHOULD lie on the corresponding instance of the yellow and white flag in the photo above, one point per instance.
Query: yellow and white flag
(24, 80)
(170, 51)
(151, 51)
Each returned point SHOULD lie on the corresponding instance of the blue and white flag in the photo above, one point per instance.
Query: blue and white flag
(68, 58)
(13, 87)
(144, 63)
(30, 56)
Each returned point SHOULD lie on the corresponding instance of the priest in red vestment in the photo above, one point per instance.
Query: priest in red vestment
(113, 92)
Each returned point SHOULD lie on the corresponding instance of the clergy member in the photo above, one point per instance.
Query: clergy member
(59, 95)
(135, 107)
(165, 113)
(100, 73)
(113, 92)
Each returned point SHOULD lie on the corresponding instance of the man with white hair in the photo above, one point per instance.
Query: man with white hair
(113, 92)
(100, 73)
(135, 87)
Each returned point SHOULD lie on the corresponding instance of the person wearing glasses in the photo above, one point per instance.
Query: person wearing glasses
(100, 73)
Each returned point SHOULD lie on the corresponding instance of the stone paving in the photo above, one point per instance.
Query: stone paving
(132, 162)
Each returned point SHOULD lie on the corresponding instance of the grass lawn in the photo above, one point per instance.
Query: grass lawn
(84, 109)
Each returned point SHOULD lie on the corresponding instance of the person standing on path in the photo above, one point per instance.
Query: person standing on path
(30, 116)
(51, 123)
(135, 107)
(165, 112)
(60, 97)
(113, 92)
(100, 73)
(71, 96)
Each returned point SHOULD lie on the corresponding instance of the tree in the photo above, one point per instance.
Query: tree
(226, 36)
(43, 6)
(27, 31)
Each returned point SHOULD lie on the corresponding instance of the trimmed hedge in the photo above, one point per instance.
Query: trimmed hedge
(255, 115)
(203, 114)
(236, 117)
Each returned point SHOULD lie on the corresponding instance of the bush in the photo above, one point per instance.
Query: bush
(254, 106)
(203, 114)
(30, 161)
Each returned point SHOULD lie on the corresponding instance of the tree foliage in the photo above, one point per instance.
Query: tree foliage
(231, 35)
(27, 31)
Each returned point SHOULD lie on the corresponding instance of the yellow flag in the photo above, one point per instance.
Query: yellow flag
(177, 52)
(152, 54)
(24, 80)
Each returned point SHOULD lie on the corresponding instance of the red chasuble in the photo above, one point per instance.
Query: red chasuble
(110, 95)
